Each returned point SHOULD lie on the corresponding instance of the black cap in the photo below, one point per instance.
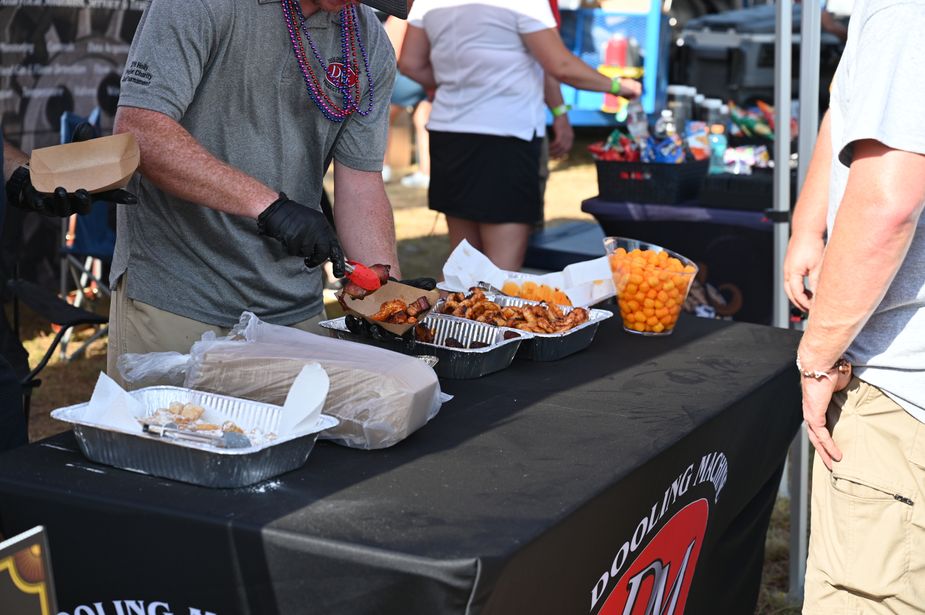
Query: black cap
(398, 8)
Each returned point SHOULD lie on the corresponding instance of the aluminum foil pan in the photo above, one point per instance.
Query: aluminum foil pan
(548, 346)
(190, 462)
(453, 363)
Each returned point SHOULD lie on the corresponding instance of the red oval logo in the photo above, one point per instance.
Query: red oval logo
(335, 73)
(659, 579)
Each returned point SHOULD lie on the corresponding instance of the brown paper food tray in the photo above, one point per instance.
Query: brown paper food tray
(95, 165)
(364, 308)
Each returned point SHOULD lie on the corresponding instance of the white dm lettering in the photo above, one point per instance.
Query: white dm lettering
(658, 604)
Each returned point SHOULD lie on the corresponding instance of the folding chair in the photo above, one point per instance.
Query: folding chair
(43, 302)
(87, 243)
(52, 308)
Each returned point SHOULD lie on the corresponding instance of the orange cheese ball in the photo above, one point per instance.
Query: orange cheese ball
(651, 288)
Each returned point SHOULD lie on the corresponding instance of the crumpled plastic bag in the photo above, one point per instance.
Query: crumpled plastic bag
(153, 369)
(379, 396)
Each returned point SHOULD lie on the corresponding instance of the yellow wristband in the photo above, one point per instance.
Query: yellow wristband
(615, 86)
(560, 110)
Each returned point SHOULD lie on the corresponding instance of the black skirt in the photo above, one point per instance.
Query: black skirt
(485, 178)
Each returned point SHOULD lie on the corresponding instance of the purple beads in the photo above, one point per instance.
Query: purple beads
(349, 22)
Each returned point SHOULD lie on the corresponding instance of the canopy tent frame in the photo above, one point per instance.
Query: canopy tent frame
(810, 40)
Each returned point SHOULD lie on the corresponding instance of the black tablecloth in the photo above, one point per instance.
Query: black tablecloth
(562, 487)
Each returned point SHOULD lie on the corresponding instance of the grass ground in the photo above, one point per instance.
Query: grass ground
(423, 248)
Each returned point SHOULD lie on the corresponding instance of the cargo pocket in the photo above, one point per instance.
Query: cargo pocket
(872, 530)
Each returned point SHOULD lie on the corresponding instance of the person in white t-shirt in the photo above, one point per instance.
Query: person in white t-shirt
(487, 59)
(859, 236)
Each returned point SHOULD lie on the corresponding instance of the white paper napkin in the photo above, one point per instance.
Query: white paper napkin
(304, 401)
(466, 267)
(588, 282)
(111, 406)
(585, 283)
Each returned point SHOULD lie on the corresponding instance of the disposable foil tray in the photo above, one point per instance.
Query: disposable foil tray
(190, 462)
(453, 363)
(548, 346)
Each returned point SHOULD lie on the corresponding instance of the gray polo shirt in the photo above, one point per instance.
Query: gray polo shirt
(877, 94)
(225, 70)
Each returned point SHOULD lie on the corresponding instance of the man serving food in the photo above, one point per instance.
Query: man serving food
(239, 108)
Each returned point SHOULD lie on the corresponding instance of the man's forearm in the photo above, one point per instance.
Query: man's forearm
(363, 216)
(876, 221)
(809, 215)
(174, 161)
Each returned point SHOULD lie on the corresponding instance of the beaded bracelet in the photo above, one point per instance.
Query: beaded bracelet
(841, 366)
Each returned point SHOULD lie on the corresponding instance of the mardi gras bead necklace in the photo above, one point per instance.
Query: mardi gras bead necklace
(350, 41)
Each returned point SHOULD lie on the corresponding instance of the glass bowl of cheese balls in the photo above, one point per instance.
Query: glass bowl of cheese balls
(652, 284)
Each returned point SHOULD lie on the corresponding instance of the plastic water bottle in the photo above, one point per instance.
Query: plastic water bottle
(665, 125)
(724, 116)
(637, 122)
(718, 146)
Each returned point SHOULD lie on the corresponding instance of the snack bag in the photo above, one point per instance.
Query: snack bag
(697, 140)
(669, 150)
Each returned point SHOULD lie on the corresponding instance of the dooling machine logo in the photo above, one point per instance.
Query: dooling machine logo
(656, 580)
(659, 579)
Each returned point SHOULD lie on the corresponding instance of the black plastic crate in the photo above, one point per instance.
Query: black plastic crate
(743, 192)
(640, 182)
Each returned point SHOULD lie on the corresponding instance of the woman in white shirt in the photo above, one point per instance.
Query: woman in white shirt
(486, 59)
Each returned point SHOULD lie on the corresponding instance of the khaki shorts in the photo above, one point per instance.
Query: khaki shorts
(136, 327)
(867, 539)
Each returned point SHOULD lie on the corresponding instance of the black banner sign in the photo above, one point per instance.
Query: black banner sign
(58, 56)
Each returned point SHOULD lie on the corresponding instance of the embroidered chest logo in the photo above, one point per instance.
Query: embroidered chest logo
(335, 72)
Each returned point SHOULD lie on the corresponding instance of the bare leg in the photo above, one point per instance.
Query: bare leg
(505, 244)
(460, 228)
(422, 138)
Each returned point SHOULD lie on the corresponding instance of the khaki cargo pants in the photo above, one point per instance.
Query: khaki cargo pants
(136, 327)
(867, 528)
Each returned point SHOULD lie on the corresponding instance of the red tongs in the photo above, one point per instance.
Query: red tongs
(367, 278)
(362, 280)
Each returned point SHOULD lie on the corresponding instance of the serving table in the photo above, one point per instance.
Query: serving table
(638, 468)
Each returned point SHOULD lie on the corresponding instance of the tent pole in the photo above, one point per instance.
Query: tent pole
(782, 96)
(810, 35)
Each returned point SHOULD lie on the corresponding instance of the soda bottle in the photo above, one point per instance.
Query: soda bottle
(717, 148)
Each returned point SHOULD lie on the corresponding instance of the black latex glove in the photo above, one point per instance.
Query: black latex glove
(22, 194)
(422, 283)
(303, 231)
(364, 328)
